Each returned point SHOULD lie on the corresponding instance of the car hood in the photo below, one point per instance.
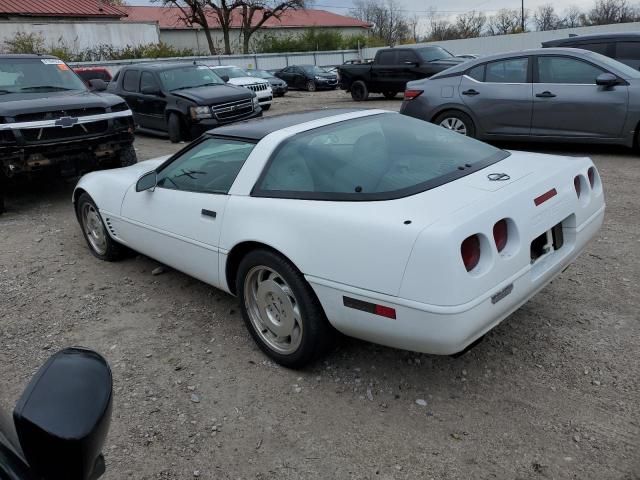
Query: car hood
(246, 81)
(277, 81)
(12, 104)
(214, 94)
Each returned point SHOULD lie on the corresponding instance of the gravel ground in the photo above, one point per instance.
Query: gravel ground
(552, 392)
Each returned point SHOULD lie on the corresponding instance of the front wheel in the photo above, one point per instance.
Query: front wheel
(94, 231)
(266, 107)
(280, 310)
(174, 127)
(128, 156)
(458, 122)
(311, 86)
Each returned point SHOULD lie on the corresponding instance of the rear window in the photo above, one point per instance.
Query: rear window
(131, 80)
(378, 157)
(602, 48)
(87, 75)
(628, 50)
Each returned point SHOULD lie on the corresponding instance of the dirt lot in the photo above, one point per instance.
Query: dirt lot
(553, 392)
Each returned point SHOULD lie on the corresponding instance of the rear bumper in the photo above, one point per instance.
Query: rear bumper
(445, 330)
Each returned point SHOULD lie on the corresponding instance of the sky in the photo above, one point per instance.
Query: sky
(448, 9)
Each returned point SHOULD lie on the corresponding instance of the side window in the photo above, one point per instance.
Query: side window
(477, 73)
(209, 167)
(507, 71)
(406, 56)
(148, 81)
(131, 80)
(602, 48)
(628, 50)
(387, 57)
(566, 70)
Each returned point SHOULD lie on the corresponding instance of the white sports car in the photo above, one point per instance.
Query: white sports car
(385, 227)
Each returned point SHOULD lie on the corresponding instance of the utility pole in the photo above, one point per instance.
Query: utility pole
(522, 16)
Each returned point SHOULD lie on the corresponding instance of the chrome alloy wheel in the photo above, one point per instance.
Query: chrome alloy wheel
(455, 124)
(94, 229)
(273, 309)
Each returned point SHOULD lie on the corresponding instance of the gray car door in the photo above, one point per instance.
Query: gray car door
(499, 94)
(568, 103)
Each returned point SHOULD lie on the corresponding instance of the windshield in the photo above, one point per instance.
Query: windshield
(259, 74)
(378, 157)
(26, 75)
(625, 70)
(431, 54)
(189, 77)
(313, 70)
(231, 72)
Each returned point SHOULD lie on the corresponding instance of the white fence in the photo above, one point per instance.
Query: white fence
(481, 45)
(82, 35)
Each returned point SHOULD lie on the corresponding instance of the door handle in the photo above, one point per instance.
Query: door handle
(208, 213)
(545, 94)
(471, 92)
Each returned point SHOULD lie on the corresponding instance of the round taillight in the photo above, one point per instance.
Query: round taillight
(576, 184)
(591, 173)
(470, 251)
(501, 234)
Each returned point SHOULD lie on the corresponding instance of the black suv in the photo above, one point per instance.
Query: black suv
(624, 47)
(181, 99)
(51, 122)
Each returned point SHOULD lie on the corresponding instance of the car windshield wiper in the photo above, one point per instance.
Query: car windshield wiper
(4, 92)
(190, 173)
(46, 87)
(435, 60)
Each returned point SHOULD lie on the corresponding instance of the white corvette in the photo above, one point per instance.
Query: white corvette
(385, 227)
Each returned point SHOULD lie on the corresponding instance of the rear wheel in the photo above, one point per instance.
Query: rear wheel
(94, 231)
(456, 121)
(281, 310)
(311, 86)
(174, 126)
(390, 95)
(359, 91)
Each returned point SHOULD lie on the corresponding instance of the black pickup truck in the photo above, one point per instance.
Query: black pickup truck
(392, 68)
(50, 122)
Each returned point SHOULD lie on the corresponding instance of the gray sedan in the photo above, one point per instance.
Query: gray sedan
(551, 94)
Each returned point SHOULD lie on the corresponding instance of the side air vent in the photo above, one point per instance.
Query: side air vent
(107, 221)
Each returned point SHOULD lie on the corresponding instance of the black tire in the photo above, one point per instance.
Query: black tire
(316, 331)
(451, 116)
(174, 126)
(128, 156)
(113, 250)
(3, 187)
(311, 86)
(359, 91)
(390, 95)
(266, 107)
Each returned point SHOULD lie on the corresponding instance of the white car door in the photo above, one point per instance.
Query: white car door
(179, 221)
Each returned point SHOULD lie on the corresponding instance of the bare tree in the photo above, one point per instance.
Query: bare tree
(506, 21)
(606, 12)
(255, 13)
(545, 18)
(470, 24)
(386, 17)
(439, 27)
(572, 17)
(193, 12)
(413, 24)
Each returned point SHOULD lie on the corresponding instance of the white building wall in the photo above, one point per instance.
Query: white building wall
(82, 34)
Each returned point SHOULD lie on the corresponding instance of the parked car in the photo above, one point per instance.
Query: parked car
(92, 73)
(50, 123)
(392, 68)
(181, 100)
(278, 86)
(385, 227)
(559, 94)
(61, 421)
(308, 77)
(240, 77)
(624, 47)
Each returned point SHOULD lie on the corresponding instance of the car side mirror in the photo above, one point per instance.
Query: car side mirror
(63, 416)
(606, 80)
(225, 78)
(150, 90)
(148, 181)
(98, 84)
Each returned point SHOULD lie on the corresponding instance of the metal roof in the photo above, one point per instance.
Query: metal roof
(60, 8)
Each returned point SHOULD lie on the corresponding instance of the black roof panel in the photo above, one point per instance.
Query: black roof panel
(259, 128)
(598, 37)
